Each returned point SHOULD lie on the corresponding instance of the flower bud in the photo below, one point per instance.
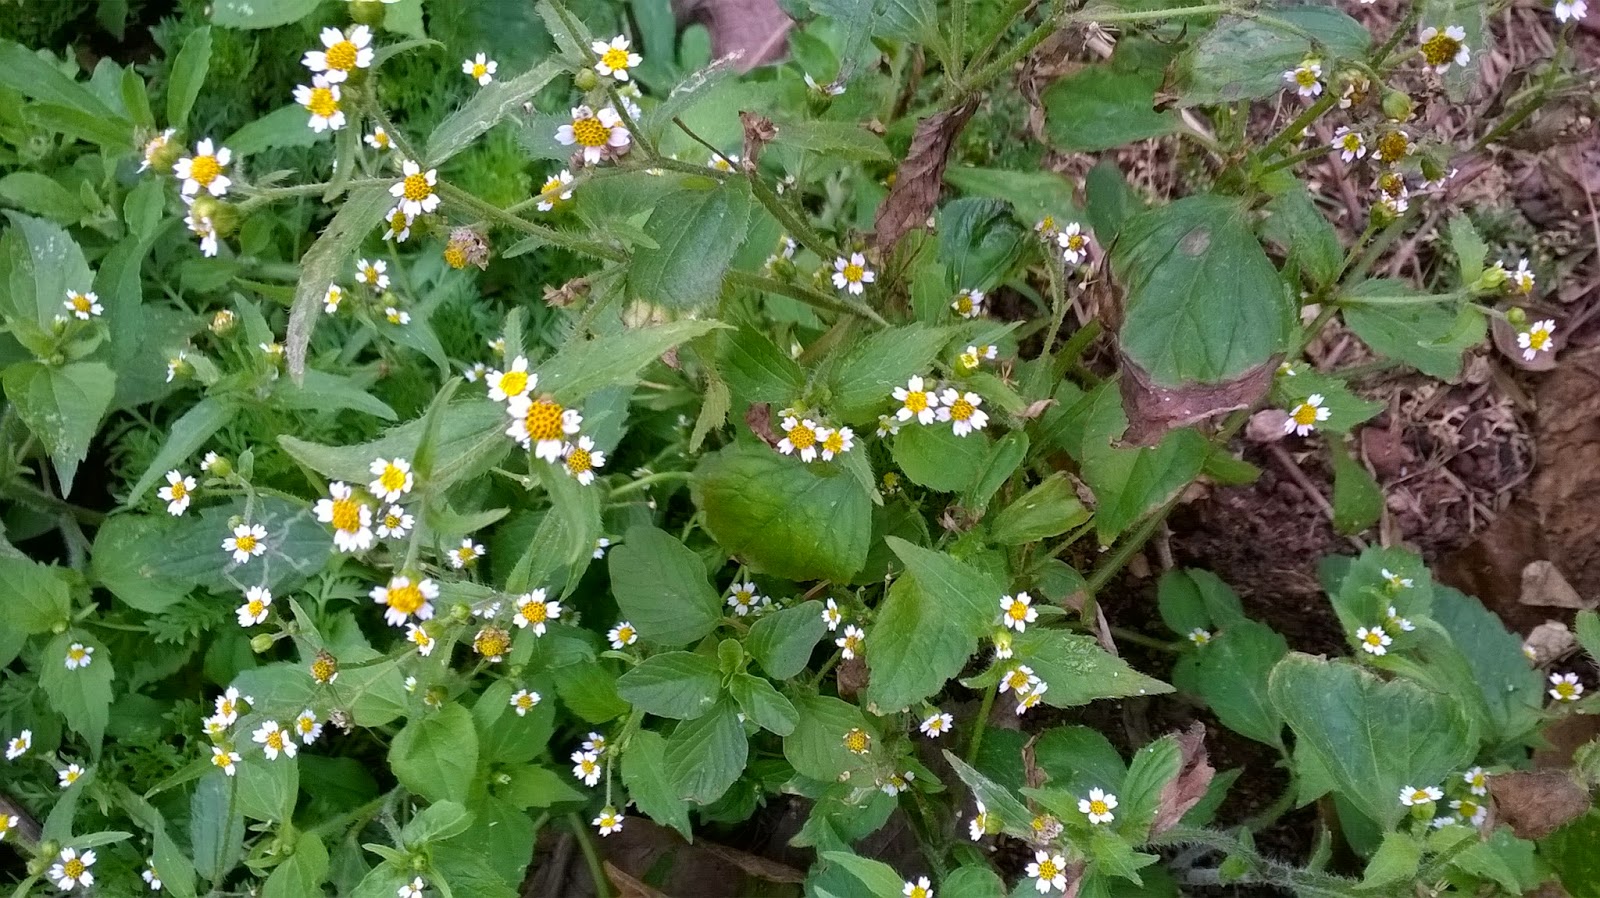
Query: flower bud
(1493, 278)
(586, 80)
(460, 611)
(367, 12)
(261, 642)
(223, 321)
(1517, 318)
(1397, 105)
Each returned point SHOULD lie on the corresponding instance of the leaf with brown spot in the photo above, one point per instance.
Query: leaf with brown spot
(1035, 409)
(1153, 410)
(1537, 803)
(1186, 789)
(920, 177)
(852, 677)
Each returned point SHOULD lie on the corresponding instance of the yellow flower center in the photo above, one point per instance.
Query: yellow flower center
(1351, 142)
(466, 553)
(1419, 796)
(588, 766)
(417, 188)
(73, 868)
(455, 255)
(479, 70)
(1440, 49)
(381, 138)
(1078, 241)
(179, 491)
(1098, 807)
(551, 191)
(964, 305)
(543, 421)
(323, 670)
(919, 892)
(492, 642)
(391, 521)
(1048, 223)
(525, 702)
(802, 436)
(346, 515)
(1538, 339)
(81, 303)
(1017, 611)
(579, 460)
(306, 724)
(856, 741)
(917, 401)
(322, 102)
(342, 56)
(77, 654)
(624, 634)
(834, 443)
(615, 59)
(534, 612)
(590, 132)
(1468, 809)
(1305, 77)
(256, 607)
(961, 410)
(853, 643)
(393, 479)
(1392, 183)
(1374, 639)
(204, 169)
(1306, 414)
(421, 637)
(275, 740)
(222, 760)
(853, 273)
(1393, 146)
(1048, 869)
(72, 776)
(405, 599)
(1565, 690)
(1017, 679)
(398, 222)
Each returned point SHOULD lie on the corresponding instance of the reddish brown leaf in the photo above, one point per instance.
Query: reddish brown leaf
(1191, 783)
(628, 886)
(759, 419)
(756, 31)
(758, 132)
(1154, 409)
(852, 677)
(918, 180)
(1537, 803)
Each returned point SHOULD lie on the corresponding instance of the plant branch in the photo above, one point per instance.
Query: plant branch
(808, 296)
(602, 886)
(495, 214)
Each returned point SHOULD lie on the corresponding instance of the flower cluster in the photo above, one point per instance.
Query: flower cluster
(805, 437)
(542, 424)
(922, 401)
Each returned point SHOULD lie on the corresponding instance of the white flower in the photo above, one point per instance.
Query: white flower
(1033, 698)
(1373, 640)
(916, 401)
(1471, 811)
(831, 616)
(852, 274)
(1303, 418)
(415, 190)
(1395, 581)
(18, 746)
(835, 441)
(534, 611)
(466, 553)
(609, 821)
(1521, 280)
(1098, 806)
(542, 424)
(1199, 636)
(406, 598)
(524, 701)
(224, 759)
(1020, 679)
(586, 767)
(341, 54)
(1399, 623)
(1017, 612)
(274, 739)
(177, 492)
(83, 306)
(1477, 781)
(581, 459)
(308, 727)
(1349, 144)
(72, 870)
(1074, 243)
(831, 89)
(968, 303)
(374, 274)
(743, 598)
(1049, 871)
(595, 742)
(481, 69)
(622, 635)
(399, 221)
(257, 599)
(1565, 687)
(379, 139)
(227, 705)
(1411, 796)
(1566, 11)
(800, 436)
(888, 425)
(1306, 78)
(203, 170)
(395, 523)
(937, 724)
(555, 190)
(396, 316)
(1441, 48)
(723, 163)
(919, 889)
(79, 656)
(1536, 339)
(154, 146)
(961, 410)
(150, 876)
(393, 478)
(209, 461)
(351, 518)
(248, 541)
(615, 59)
(978, 826)
(593, 131)
(72, 774)
(415, 887)
(321, 99)
(421, 638)
(850, 643)
(332, 299)
(206, 230)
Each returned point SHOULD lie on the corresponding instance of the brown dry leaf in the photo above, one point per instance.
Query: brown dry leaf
(1033, 776)
(759, 419)
(758, 132)
(1550, 641)
(629, 887)
(1539, 802)
(1543, 585)
(1385, 449)
(1505, 340)
(1035, 409)
(1154, 409)
(756, 31)
(919, 178)
(852, 677)
(755, 865)
(1266, 426)
(1191, 783)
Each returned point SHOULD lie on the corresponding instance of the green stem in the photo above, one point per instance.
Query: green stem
(650, 480)
(805, 295)
(602, 886)
(1002, 65)
(1400, 299)
(1295, 128)
(796, 226)
(1003, 23)
(1296, 159)
(491, 212)
(1123, 634)
(32, 495)
(1154, 15)
(982, 723)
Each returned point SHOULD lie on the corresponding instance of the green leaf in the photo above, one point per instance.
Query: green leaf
(1357, 498)
(1245, 58)
(300, 874)
(1345, 408)
(1109, 201)
(972, 881)
(216, 827)
(437, 822)
(1518, 866)
(62, 406)
(82, 696)
(879, 878)
(1033, 194)
(1078, 669)
(37, 598)
(785, 517)
(29, 73)
(435, 756)
(1395, 861)
(589, 690)
(267, 790)
(979, 240)
(487, 107)
(282, 128)
(861, 20)
(1004, 457)
(1570, 850)
(258, 14)
(1373, 737)
(114, 134)
(782, 641)
(935, 457)
(582, 368)
(1426, 337)
(537, 787)
(704, 756)
(1512, 689)
(679, 685)
(177, 871)
(763, 705)
(41, 195)
(1078, 759)
(1111, 856)
(644, 773)
(697, 233)
(1304, 234)
(1131, 482)
(1471, 16)
(816, 747)
(834, 140)
(185, 436)
(1190, 599)
(1100, 107)
(661, 587)
(1204, 302)
(470, 441)
(326, 261)
(45, 263)
(1469, 248)
(1002, 805)
(322, 391)
(1231, 675)
(928, 626)
(864, 380)
(189, 69)
(1587, 626)
(756, 369)
(1047, 510)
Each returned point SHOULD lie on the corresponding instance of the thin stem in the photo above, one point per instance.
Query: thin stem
(650, 480)
(1154, 15)
(1400, 299)
(982, 723)
(1298, 126)
(500, 216)
(795, 225)
(602, 886)
(32, 495)
(1122, 634)
(1004, 21)
(1296, 159)
(805, 295)
(715, 153)
(1002, 65)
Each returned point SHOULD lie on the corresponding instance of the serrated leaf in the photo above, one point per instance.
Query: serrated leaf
(325, 262)
(63, 407)
(697, 233)
(763, 705)
(81, 696)
(259, 13)
(1231, 675)
(1425, 336)
(834, 140)
(782, 641)
(661, 587)
(487, 107)
(436, 755)
(934, 456)
(301, 873)
(1100, 107)
(1357, 497)
(645, 776)
(678, 685)
(1244, 58)
(185, 436)
(583, 367)
(879, 879)
(704, 756)
(36, 597)
(189, 69)
(816, 747)
(1078, 670)
(1047, 510)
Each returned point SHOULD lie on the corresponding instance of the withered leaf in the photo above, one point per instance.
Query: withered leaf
(756, 31)
(919, 179)
(1536, 803)
(1154, 409)
(628, 886)
(755, 865)
(1191, 783)
(758, 132)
